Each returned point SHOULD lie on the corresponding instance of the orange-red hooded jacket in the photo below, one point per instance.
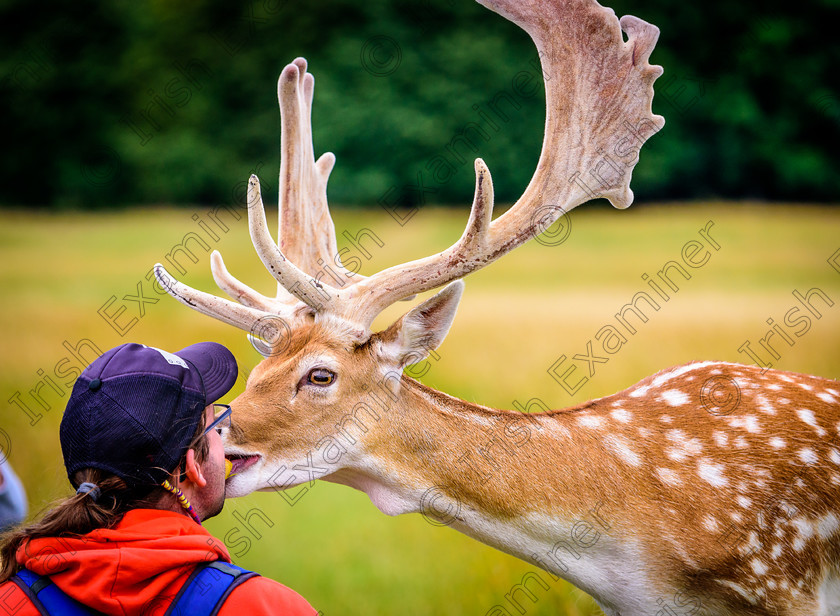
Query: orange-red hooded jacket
(137, 567)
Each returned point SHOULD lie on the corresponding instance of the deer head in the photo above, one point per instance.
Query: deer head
(328, 366)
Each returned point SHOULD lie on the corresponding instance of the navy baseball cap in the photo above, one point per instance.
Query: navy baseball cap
(134, 411)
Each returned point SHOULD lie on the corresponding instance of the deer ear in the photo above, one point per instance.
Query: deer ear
(423, 328)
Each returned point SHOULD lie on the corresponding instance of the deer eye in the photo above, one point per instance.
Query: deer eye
(321, 377)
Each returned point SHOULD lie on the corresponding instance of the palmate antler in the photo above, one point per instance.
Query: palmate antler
(599, 91)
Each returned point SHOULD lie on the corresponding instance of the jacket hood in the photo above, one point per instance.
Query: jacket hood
(123, 569)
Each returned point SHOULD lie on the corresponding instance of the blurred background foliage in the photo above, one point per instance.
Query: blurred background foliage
(105, 103)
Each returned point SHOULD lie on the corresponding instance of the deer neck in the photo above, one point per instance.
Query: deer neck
(497, 476)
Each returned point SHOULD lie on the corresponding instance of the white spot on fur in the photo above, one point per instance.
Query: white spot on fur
(753, 543)
(776, 551)
(721, 438)
(621, 415)
(741, 443)
(748, 422)
(826, 397)
(744, 502)
(668, 476)
(674, 397)
(690, 446)
(667, 376)
(806, 387)
(805, 528)
(666, 419)
(764, 405)
(758, 566)
(774, 386)
(828, 526)
(750, 597)
(589, 421)
(777, 443)
(622, 449)
(711, 472)
(807, 455)
(807, 415)
(834, 455)
(710, 523)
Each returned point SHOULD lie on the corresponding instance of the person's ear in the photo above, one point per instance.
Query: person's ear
(193, 470)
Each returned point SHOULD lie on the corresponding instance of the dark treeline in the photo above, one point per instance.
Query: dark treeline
(107, 103)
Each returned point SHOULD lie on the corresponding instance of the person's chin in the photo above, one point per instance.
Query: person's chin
(217, 509)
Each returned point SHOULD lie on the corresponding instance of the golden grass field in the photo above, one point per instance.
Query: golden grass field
(517, 318)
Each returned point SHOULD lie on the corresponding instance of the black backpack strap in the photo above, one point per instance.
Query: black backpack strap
(48, 598)
(207, 588)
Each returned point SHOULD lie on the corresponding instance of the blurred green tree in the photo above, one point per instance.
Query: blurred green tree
(154, 102)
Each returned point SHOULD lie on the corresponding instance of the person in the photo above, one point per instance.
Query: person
(13, 506)
(142, 446)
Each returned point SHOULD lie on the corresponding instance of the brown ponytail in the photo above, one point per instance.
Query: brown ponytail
(80, 514)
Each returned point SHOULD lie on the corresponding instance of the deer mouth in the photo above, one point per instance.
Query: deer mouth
(240, 462)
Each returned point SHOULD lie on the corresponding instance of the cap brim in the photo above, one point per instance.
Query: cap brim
(217, 366)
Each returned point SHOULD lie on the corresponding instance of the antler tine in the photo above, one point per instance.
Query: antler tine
(224, 310)
(306, 231)
(599, 92)
(481, 212)
(237, 290)
(253, 309)
(293, 147)
(289, 277)
(366, 299)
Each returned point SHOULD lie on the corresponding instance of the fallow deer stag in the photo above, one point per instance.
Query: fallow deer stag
(665, 498)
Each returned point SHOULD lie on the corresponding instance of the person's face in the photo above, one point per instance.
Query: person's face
(213, 469)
